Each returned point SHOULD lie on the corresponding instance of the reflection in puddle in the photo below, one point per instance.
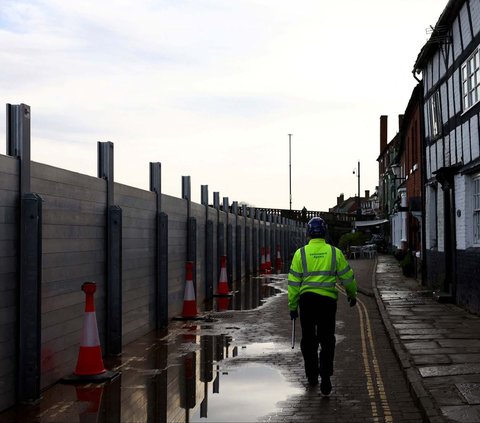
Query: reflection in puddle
(174, 377)
(246, 394)
(249, 293)
(204, 382)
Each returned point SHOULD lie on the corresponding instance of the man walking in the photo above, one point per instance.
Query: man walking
(311, 286)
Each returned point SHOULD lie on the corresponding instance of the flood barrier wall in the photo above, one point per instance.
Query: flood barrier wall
(61, 228)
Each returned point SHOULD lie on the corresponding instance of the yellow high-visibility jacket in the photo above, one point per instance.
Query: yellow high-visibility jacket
(315, 268)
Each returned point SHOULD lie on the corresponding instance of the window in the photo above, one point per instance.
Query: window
(476, 210)
(471, 80)
(435, 114)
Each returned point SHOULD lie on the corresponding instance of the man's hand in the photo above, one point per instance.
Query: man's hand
(352, 301)
(293, 314)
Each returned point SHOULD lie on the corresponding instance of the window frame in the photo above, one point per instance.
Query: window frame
(435, 109)
(470, 75)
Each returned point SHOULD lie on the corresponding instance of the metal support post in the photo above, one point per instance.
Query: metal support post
(113, 277)
(18, 141)
(114, 281)
(29, 299)
(161, 261)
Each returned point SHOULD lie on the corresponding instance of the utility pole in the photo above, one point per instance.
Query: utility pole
(290, 166)
(359, 208)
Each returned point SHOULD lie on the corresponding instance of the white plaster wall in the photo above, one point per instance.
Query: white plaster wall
(457, 46)
(459, 143)
(475, 12)
(475, 138)
(451, 98)
(460, 221)
(465, 26)
(466, 142)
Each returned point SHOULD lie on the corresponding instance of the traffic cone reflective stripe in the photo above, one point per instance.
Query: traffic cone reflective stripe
(189, 301)
(278, 262)
(89, 360)
(223, 280)
(268, 263)
(262, 259)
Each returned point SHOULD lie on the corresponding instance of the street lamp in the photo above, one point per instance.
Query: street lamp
(290, 167)
(359, 204)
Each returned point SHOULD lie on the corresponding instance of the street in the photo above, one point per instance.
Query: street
(238, 365)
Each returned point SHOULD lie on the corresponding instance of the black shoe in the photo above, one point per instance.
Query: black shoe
(313, 381)
(326, 385)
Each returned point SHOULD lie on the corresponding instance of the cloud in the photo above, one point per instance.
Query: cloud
(222, 80)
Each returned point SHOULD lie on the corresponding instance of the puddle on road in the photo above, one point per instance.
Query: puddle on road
(178, 377)
(243, 393)
(249, 293)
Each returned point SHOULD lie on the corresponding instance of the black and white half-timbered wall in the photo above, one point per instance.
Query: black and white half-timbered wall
(449, 64)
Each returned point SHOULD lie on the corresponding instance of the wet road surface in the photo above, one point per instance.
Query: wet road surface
(238, 366)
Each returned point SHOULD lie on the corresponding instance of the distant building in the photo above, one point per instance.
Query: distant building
(368, 205)
(390, 178)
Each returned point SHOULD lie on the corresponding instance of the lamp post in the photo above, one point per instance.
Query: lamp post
(290, 167)
(359, 203)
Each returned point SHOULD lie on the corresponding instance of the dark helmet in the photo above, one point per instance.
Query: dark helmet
(316, 227)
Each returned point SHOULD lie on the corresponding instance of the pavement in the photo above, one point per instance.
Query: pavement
(437, 344)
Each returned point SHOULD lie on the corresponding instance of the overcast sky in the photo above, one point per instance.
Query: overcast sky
(212, 88)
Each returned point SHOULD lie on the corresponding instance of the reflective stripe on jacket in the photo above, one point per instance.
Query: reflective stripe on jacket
(315, 268)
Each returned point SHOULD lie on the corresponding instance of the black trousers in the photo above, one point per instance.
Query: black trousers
(317, 318)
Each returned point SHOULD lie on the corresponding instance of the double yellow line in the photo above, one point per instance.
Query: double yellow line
(375, 386)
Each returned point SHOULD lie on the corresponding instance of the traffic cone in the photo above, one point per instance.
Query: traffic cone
(262, 260)
(89, 360)
(268, 263)
(189, 301)
(278, 260)
(92, 397)
(223, 280)
(89, 366)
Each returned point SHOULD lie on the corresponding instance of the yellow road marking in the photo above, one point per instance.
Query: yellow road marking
(369, 363)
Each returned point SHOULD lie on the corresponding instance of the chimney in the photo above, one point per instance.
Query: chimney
(383, 132)
(400, 121)
(340, 199)
(367, 194)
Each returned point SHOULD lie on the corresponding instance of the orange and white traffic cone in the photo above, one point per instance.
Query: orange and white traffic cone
(189, 301)
(268, 262)
(262, 260)
(90, 366)
(89, 360)
(278, 261)
(223, 280)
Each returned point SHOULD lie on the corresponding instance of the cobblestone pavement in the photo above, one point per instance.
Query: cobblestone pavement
(437, 344)
(400, 357)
